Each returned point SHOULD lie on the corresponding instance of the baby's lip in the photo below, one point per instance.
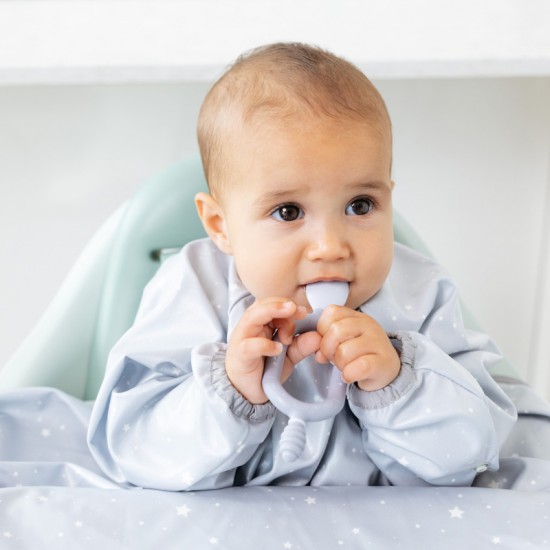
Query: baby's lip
(327, 280)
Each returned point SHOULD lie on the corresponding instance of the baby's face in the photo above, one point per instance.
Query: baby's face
(307, 203)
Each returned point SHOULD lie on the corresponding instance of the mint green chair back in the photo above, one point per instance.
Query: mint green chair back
(98, 301)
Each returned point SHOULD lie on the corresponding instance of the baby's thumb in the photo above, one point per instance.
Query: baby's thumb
(302, 346)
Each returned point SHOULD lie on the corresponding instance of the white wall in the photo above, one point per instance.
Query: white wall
(471, 167)
(473, 175)
(69, 156)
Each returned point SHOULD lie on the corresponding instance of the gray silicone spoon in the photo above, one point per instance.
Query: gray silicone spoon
(293, 439)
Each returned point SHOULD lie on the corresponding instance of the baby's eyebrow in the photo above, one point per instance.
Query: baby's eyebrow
(280, 195)
(371, 186)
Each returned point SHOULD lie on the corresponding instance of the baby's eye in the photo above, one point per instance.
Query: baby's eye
(359, 207)
(287, 213)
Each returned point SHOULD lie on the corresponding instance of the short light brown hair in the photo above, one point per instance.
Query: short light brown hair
(284, 80)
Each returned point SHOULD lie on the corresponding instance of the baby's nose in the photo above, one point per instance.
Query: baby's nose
(329, 244)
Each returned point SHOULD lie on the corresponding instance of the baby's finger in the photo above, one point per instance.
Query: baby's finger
(335, 339)
(320, 358)
(370, 371)
(252, 348)
(303, 346)
(348, 350)
(263, 313)
(332, 314)
(359, 369)
(287, 327)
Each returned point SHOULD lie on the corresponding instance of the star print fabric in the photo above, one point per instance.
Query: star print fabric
(441, 419)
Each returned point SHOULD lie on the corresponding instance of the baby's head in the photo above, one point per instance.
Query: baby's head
(282, 84)
(296, 149)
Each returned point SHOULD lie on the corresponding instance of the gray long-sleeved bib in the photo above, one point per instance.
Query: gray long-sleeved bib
(167, 416)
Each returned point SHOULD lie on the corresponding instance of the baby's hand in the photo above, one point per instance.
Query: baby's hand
(251, 342)
(358, 346)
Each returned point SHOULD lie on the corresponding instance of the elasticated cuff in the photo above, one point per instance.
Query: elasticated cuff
(370, 400)
(238, 404)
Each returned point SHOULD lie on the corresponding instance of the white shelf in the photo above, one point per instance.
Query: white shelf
(118, 41)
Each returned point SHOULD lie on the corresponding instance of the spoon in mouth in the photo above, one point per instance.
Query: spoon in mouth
(293, 440)
(325, 293)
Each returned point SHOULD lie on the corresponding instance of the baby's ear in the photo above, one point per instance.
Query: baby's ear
(213, 220)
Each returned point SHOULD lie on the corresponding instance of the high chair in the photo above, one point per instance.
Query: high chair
(97, 302)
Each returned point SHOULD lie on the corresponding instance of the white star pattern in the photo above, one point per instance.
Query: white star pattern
(183, 510)
(456, 512)
(337, 529)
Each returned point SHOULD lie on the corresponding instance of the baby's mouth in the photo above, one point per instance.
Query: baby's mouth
(322, 292)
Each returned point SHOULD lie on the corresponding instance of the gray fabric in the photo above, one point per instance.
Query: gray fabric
(166, 419)
(53, 495)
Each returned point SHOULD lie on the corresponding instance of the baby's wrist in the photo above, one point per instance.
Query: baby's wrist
(385, 396)
(246, 385)
(390, 367)
(239, 405)
(250, 391)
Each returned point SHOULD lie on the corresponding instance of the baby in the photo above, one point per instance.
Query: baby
(296, 145)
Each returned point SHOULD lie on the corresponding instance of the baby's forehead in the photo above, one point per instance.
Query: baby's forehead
(272, 126)
(272, 145)
(259, 140)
